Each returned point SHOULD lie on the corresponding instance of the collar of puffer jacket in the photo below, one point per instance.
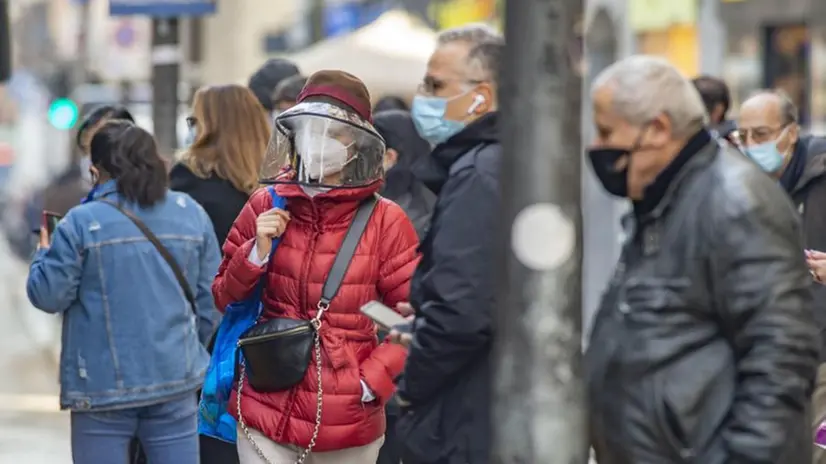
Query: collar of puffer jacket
(334, 208)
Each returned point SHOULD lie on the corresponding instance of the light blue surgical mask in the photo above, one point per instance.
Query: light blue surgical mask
(767, 156)
(429, 118)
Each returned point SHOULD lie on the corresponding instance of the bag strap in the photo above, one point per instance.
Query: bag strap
(345, 253)
(167, 256)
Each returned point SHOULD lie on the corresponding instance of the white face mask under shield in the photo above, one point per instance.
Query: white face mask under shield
(323, 145)
(321, 156)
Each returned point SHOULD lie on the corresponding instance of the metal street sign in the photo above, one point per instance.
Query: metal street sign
(162, 8)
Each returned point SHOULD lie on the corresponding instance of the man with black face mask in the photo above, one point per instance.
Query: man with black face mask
(704, 347)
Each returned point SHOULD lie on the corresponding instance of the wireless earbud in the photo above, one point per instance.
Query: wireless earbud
(477, 100)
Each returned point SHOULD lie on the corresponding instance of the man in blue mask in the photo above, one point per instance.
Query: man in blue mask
(447, 379)
(770, 132)
(455, 91)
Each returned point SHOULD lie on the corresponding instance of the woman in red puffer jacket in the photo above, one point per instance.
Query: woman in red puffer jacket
(334, 156)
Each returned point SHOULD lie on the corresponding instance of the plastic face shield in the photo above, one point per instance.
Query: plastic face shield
(323, 146)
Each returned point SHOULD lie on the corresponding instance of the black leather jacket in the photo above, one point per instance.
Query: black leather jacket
(704, 349)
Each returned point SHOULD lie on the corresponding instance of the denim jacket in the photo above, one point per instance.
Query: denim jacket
(130, 337)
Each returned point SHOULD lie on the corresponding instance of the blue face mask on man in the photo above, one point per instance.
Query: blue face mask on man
(767, 156)
(429, 117)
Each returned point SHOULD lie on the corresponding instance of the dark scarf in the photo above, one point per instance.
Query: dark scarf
(655, 192)
(794, 171)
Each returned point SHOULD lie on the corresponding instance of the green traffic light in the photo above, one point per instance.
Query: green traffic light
(63, 113)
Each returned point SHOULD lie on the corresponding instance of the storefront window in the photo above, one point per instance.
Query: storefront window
(788, 57)
(678, 44)
(787, 64)
(818, 82)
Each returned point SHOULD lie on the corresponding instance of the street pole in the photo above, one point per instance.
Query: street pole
(5, 41)
(539, 406)
(79, 70)
(166, 71)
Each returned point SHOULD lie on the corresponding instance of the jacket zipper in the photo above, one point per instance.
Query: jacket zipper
(302, 301)
(272, 336)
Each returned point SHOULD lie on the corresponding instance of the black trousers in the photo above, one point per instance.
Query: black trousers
(214, 451)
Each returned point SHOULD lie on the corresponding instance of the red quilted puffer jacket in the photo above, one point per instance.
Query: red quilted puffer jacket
(381, 270)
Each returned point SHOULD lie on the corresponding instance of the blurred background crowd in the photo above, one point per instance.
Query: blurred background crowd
(152, 56)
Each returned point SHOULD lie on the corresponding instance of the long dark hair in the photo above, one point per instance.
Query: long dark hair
(130, 156)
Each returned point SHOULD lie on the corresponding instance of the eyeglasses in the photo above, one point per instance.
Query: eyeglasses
(431, 85)
(191, 122)
(759, 134)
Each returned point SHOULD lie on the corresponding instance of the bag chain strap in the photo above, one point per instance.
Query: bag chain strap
(316, 322)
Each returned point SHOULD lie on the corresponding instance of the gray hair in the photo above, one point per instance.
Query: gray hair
(646, 86)
(487, 46)
(788, 110)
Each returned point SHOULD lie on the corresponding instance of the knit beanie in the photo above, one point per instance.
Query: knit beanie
(340, 89)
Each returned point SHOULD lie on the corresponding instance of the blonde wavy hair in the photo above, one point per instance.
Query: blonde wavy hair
(232, 136)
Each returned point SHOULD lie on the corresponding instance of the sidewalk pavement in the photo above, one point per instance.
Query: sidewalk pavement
(32, 429)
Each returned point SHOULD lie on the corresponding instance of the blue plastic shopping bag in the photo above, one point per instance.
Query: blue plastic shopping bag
(213, 418)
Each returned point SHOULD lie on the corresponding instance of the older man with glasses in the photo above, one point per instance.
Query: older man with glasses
(770, 133)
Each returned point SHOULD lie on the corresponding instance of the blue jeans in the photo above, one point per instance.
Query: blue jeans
(168, 432)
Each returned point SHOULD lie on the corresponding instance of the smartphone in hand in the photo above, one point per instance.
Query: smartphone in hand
(50, 221)
(385, 317)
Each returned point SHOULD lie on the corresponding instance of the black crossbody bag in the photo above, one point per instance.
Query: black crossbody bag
(275, 354)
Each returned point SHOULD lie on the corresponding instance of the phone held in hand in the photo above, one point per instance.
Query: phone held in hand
(50, 221)
(385, 317)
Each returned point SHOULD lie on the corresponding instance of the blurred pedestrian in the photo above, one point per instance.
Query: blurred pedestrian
(264, 81)
(390, 102)
(334, 156)
(286, 93)
(717, 101)
(771, 136)
(220, 168)
(94, 120)
(445, 389)
(404, 149)
(704, 347)
(87, 128)
(130, 271)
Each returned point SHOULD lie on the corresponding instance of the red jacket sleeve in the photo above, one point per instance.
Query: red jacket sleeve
(237, 277)
(399, 257)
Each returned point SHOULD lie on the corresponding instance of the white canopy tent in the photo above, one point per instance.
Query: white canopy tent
(390, 55)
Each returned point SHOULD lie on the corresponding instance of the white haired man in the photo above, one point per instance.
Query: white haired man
(445, 389)
(704, 348)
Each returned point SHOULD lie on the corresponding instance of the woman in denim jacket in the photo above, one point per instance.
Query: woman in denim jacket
(132, 348)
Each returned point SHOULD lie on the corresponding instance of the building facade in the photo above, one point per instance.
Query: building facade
(773, 44)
